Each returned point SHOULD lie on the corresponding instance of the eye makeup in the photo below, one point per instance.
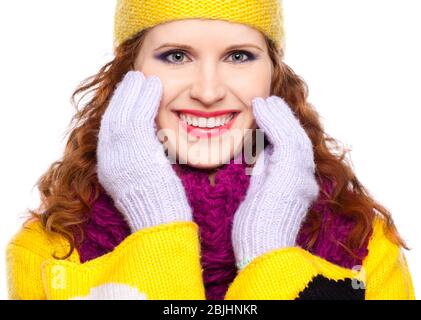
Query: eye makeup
(164, 56)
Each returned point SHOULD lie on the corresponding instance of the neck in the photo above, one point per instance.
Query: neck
(212, 178)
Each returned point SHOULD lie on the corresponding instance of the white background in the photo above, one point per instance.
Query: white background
(361, 60)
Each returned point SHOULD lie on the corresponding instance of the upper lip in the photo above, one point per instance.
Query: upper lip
(206, 114)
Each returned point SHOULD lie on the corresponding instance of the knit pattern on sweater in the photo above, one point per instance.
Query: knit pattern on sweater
(213, 210)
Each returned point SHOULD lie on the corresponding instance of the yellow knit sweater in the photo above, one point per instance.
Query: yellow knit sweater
(163, 262)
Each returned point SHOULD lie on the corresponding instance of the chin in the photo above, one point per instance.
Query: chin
(209, 163)
(205, 166)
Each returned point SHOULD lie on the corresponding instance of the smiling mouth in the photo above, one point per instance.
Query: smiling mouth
(206, 127)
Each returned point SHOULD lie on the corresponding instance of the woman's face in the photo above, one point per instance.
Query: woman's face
(206, 67)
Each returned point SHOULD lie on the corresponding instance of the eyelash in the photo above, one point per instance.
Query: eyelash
(163, 56)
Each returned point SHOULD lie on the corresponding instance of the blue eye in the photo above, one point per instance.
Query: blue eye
(163, 57)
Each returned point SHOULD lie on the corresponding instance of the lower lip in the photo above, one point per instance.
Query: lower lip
(207, 132)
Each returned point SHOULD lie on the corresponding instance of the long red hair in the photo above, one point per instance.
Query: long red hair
(67, 186)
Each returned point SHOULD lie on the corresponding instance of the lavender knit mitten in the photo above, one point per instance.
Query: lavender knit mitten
(131, 162)
(280, 194)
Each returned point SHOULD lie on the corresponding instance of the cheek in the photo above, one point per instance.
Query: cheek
(163, 118)
(256, 82)
(248, 119)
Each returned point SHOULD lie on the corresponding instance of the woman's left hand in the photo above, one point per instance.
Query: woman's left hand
(282, 186)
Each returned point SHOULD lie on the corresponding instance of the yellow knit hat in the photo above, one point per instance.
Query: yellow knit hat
(132, 16)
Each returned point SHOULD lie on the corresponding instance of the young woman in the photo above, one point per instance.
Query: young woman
(120, 220)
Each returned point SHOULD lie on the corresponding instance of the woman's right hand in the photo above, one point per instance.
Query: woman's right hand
(131, 162)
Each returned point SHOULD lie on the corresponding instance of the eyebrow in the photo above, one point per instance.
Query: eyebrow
(186, 47)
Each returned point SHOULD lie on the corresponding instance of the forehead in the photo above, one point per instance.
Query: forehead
(202, 31)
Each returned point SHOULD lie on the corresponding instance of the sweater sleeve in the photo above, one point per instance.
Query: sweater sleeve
(386, 269)
(24, 280)
(25, 253)
(161, 262)
(294, 273)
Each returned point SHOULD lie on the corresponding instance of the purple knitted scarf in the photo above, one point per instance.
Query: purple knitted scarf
(213, 210)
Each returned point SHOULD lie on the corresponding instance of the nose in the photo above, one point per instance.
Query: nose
(208, 87)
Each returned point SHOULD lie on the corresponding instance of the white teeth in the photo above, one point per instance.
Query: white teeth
(206, 122)
(211, 122)
(202, 122)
